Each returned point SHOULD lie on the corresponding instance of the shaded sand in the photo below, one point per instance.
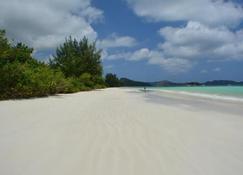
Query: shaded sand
(120, 132)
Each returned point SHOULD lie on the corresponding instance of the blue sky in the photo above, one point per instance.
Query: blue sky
(147, 40)
(119, 17)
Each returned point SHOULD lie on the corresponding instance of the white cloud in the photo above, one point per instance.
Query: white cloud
(172, 65)
(115, 41)
(108, 67)
(155, 57)
(213, 12)
(217, 69)
(141, 54)
(184, 46)
(92, 14)
(137, 55)
(208, 34)
(45, 24)
(198, 41)
(204, 71)
(117, 56)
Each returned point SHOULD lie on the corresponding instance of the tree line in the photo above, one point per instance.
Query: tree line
(76, 66)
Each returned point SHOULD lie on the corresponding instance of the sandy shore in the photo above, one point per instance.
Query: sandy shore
(121, 132)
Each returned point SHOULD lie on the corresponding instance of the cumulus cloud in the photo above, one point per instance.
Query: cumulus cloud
(204, 71)
(137, 55)
(198, 41)
(109, 67)
(172, 65)
(184, 46)
(211, 32)
(116, 41)
(155, 57)
(213, 12)
(217, 69)
(45, 24)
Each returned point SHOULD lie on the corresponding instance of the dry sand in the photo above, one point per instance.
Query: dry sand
(120, 132)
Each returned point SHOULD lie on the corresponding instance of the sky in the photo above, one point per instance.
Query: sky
(146, 40)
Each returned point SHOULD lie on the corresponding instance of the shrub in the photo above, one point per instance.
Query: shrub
(30, 80)
(76, 67)
(75, 58)
(112, 80)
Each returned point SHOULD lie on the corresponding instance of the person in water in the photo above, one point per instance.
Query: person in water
(144, 88)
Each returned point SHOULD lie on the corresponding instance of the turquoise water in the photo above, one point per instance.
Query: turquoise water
(230, 91)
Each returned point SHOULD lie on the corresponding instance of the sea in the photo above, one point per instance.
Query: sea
(233, 93)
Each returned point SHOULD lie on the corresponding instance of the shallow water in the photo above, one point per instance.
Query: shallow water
(214, 91)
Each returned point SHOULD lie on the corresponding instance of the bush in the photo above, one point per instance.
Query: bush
(112, 80)
(30, 80)
(81, 62)
(76, 67)
(86, 79)
(75, 85)
(75, 58)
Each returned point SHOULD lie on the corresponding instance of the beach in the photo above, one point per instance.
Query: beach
(121, 131)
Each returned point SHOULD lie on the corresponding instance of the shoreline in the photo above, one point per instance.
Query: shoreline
(196, 102)
(202, 95)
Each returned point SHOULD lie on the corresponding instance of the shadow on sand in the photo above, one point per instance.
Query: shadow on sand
(189, 102)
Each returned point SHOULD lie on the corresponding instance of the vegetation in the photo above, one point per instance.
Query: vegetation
(112, 80)
(75, 58)
(81, 62)
(75, 67)
(131, 83)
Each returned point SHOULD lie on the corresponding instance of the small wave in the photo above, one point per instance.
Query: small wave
(204, 95)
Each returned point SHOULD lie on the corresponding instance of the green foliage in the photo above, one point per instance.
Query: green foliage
(76, 67)
(112, 80)
(30, 79)
(8, 54)
(23, 76)
(4, 44)
(75, 58)
(75, 85)
(21, 53)
(80, 62)
(4, 47)
(86, 78)
(99, 82)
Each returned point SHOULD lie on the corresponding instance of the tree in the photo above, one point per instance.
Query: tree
(4, 44)
(22, 53)
(112, 80)
(4, 47)
(77, 67)
(8, 53)
(22, 76)
(75, 58)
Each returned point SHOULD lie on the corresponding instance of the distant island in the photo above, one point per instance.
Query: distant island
(131, 83)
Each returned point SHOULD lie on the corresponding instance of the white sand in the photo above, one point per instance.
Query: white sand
(117, 132)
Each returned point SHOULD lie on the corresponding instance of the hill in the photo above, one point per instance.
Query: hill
(131, 83)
